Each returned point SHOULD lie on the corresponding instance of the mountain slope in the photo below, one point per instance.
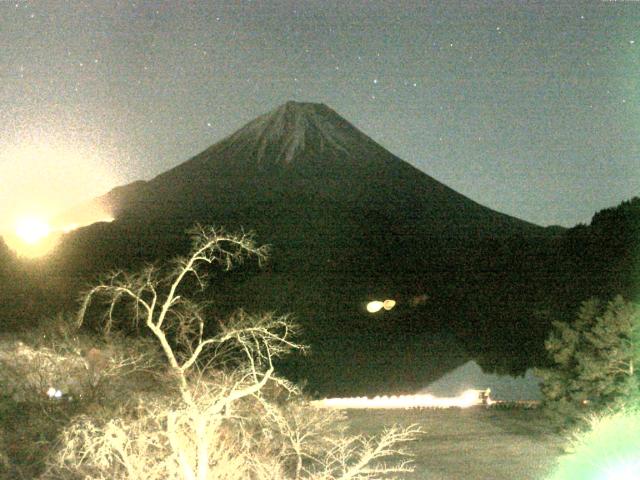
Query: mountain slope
(308, 149)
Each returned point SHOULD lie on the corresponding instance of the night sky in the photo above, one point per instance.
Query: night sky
(532, 109)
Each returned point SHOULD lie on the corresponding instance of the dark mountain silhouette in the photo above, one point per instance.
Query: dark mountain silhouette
(601, 259)
(308, 150)
(348, 222)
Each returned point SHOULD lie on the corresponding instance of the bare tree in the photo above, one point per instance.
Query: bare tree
(222, 424)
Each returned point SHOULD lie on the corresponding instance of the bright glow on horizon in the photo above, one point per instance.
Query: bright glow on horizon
(34, 237)
(623, 470)
(70, 228)
(31, 229)
(43, 177)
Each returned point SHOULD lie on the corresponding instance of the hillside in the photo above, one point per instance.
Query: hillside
(348, 222)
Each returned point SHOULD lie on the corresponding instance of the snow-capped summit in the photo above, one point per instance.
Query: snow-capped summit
(294, 126)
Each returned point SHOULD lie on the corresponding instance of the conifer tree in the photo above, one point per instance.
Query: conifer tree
(596, 360)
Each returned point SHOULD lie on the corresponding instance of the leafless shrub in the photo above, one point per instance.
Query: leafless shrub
(27, 373)
(221, 423)
(77, 368)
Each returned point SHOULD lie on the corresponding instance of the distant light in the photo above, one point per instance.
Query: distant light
(74, 226)
(375, 306)
(31, 229)
(54, 393)
(70, 227)
(467, 399)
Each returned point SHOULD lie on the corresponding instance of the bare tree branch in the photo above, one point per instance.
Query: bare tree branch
(222, 425)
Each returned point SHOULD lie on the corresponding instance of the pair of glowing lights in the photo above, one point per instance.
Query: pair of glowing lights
(54, 393)
(377, 305)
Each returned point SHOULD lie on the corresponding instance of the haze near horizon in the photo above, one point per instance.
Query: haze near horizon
(531, 110)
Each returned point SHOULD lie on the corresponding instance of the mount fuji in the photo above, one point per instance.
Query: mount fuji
(348, 222)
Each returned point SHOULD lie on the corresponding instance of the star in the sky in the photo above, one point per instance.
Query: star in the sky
(303, 52)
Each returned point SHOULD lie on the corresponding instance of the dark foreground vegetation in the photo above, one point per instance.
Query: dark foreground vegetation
(151, 381)
(506, 294)
(149, 396)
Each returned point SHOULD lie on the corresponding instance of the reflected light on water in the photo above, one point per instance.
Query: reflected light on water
(467, 399)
